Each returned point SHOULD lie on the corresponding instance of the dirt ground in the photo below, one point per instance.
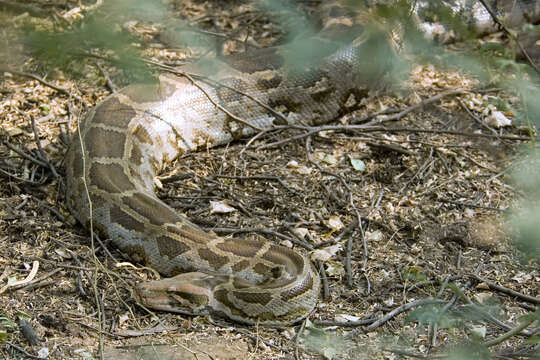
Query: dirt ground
(432, 190)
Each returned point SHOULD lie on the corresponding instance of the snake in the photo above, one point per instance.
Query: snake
(125, 142)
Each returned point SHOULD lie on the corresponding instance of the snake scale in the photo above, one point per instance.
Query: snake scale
(123, 143)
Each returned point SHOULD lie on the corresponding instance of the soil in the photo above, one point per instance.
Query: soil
(432, 195)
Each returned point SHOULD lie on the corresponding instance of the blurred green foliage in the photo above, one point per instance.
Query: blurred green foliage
(103, 34)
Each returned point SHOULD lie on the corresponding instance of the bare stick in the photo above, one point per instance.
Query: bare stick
(507, 32)
(422, 103)
(401, 309)
(259, 177)
(510, 333)
(37, 78)
(492, 285)
(234, 117)
(324, 279)
(25, 155)
(370, 128)
(40, 148)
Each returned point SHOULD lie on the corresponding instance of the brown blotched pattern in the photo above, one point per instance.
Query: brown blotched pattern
(133, 134)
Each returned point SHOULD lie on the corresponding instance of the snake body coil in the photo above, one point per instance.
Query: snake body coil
(124, 142)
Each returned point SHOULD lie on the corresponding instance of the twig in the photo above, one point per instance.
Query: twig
(348, 254)
(421, 104)
(445, 308)
(51, 209)
(449, 132)
(173, 70)
(401, 309)
(396, 312)
(28, 279)
(373, 115)
(92, 244)
(26, 286)
(25, 155)
(356, 323)
(340, 237)
(507, 32)
(48, 84)
(110, 84)
(297, 339)
(312, 130)
(41, 182)
(105, 249)
(459, 203)
(42, 153)
(324, 279)
(258, 339)
(415, 354)
(103, 332)
(492, 285)
(259, 177)
(231, 115)
(430, 282)
(510, 333)
(475, 118)
(20, 349)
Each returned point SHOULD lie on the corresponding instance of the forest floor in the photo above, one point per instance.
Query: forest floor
(433, 189)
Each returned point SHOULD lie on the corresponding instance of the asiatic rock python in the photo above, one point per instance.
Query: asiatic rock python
(122, 144)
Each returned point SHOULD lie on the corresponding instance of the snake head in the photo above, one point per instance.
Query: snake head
(188, 293)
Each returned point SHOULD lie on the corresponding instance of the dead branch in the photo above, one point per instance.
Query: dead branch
(492, 285)
(46, 83)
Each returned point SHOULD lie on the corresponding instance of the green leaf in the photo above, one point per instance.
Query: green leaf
(357, 164)
(329, 159)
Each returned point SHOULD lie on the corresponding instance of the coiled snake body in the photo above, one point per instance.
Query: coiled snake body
(122, 144)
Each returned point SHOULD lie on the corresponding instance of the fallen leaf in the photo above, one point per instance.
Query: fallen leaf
(335, 223)
(357, 164)
(326, 253)
(335, 268)
(301, 232)
(498, 120)
(220, 207)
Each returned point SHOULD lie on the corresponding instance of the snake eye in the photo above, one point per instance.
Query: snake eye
(276, 272)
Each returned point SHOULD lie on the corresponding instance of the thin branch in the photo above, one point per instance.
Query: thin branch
(368, 320)
(510, 333)
(110, 84)
(492, 285)
(348, 255)
(324, 280)
(42, 153)
(25, 155)
(512, 36)
(37, 78)
(312, 130)
(259, 177)
(401, 309)
(231, 115)
(421, 104)
(20, 349)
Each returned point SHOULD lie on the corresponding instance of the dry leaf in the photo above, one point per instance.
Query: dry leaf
(326, 253)
(498, 120)
(335, 223)
(220, 207)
